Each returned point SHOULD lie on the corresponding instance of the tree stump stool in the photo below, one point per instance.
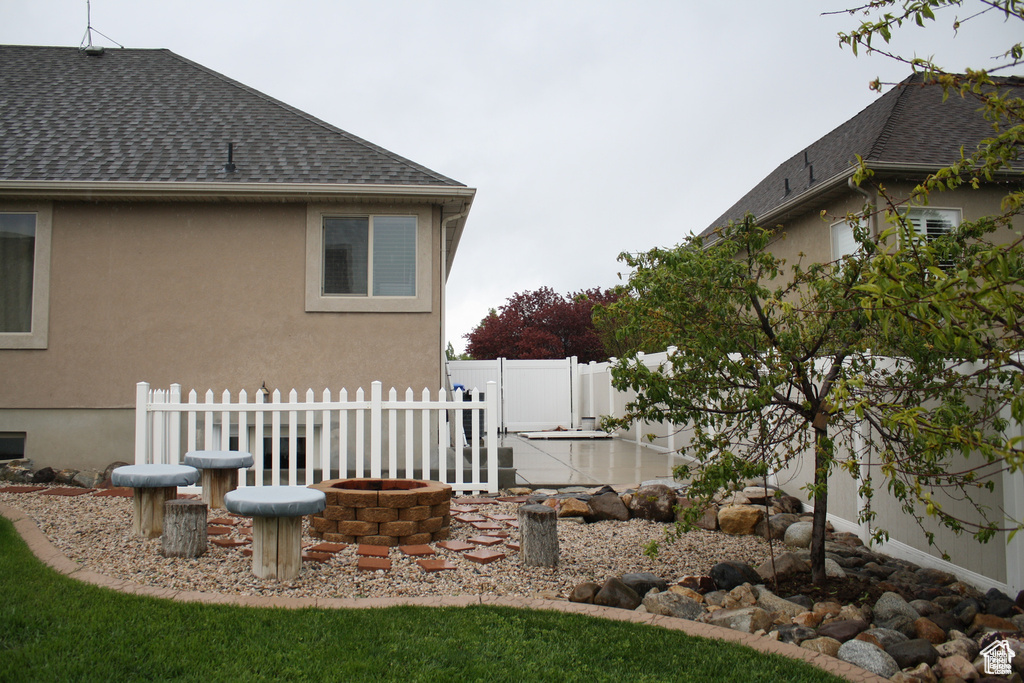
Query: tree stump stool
(538, 536)
(184, 528)
(276, 513)
(152, 486)
(219, 472)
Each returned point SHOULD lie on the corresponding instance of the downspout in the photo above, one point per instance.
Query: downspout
(871, 201)
(445, 379)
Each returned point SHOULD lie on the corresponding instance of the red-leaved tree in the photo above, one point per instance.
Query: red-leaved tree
(541, 324)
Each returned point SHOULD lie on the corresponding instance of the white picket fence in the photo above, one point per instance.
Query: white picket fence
(343, 438)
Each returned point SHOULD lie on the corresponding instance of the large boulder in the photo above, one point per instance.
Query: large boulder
(774, 527)
(584, 592)
(88, 479)
(573, 507)
(890, 606)
(747, 619)
(798, 535)
(910, 653)
(614, 593)
(43, 476)
(671, 604)
(770, 602)
(785, 565)
(644, 582)
(655, 502)
(869, 657)
(607, 506)
(739, 520)
(727, 575)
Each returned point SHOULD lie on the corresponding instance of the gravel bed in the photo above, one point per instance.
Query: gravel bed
(95, 531)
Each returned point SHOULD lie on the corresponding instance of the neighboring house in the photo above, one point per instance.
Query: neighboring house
(903, 136)
(160, 222)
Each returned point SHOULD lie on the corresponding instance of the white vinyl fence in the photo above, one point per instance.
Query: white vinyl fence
(533, 395)
(337, 437)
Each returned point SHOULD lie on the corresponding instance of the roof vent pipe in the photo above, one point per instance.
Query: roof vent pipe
(786, 193)
(230, 166)
(806, 160)
(811, 179)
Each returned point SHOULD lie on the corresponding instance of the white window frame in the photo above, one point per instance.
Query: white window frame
(38, 336)
(833, 241)
(317, 301)
(955, 214)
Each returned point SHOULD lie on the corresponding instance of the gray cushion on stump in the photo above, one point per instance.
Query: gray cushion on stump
(218, 460)
(274, 501)
(154, 476)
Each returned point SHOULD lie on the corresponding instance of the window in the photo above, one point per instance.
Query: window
(371, 254)
(24, 277)
(933, 223)
(12, 445)
(368, 262)
(843, 242)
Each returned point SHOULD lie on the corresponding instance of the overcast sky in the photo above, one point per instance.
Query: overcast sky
(588, 127)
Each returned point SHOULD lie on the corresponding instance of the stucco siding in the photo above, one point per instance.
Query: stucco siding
(208, 296)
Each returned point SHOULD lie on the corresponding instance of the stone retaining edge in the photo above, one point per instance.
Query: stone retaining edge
(50, 555)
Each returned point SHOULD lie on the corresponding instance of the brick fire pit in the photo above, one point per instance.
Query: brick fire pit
(387, 512)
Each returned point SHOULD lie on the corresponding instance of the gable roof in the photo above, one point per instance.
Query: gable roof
(909, 128)
(139, 115)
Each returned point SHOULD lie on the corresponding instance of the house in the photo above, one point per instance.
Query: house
(903, 136)
(907, 133)
(161, 222)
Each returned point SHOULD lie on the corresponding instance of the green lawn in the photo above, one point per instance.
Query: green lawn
(53, 628)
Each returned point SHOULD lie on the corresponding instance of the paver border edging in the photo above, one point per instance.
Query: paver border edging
(50, 555)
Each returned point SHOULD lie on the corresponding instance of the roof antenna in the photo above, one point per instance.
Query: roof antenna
(86, 46)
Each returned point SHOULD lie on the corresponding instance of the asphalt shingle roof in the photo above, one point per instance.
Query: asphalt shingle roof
(151, 115)
(909, 125)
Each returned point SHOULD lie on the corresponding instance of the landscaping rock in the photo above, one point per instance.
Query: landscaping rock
(869, 657)
(740, 596)
(65, 477)
(727, 575)
(955, 667)
(833, 570)
(655, 502)
(770, 602)
(910, 653)
(823, 644)
(787, 504)
(844, 630)
(642, 583)
(17, 471)
(739, 520)
(890, 605)
(687, 592)
(584, 592)
(882, 637)
(615, 593)
(43, 476)
(746, 619)
(921, 674)
(701, 584)
(796, 634)
(926, 628)
(798, 535)
(786, 564)
(573, 507)
(935, 577)
(88, 479)
(607, 506)
(708, 519)
(776, 526)
(671, 604)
